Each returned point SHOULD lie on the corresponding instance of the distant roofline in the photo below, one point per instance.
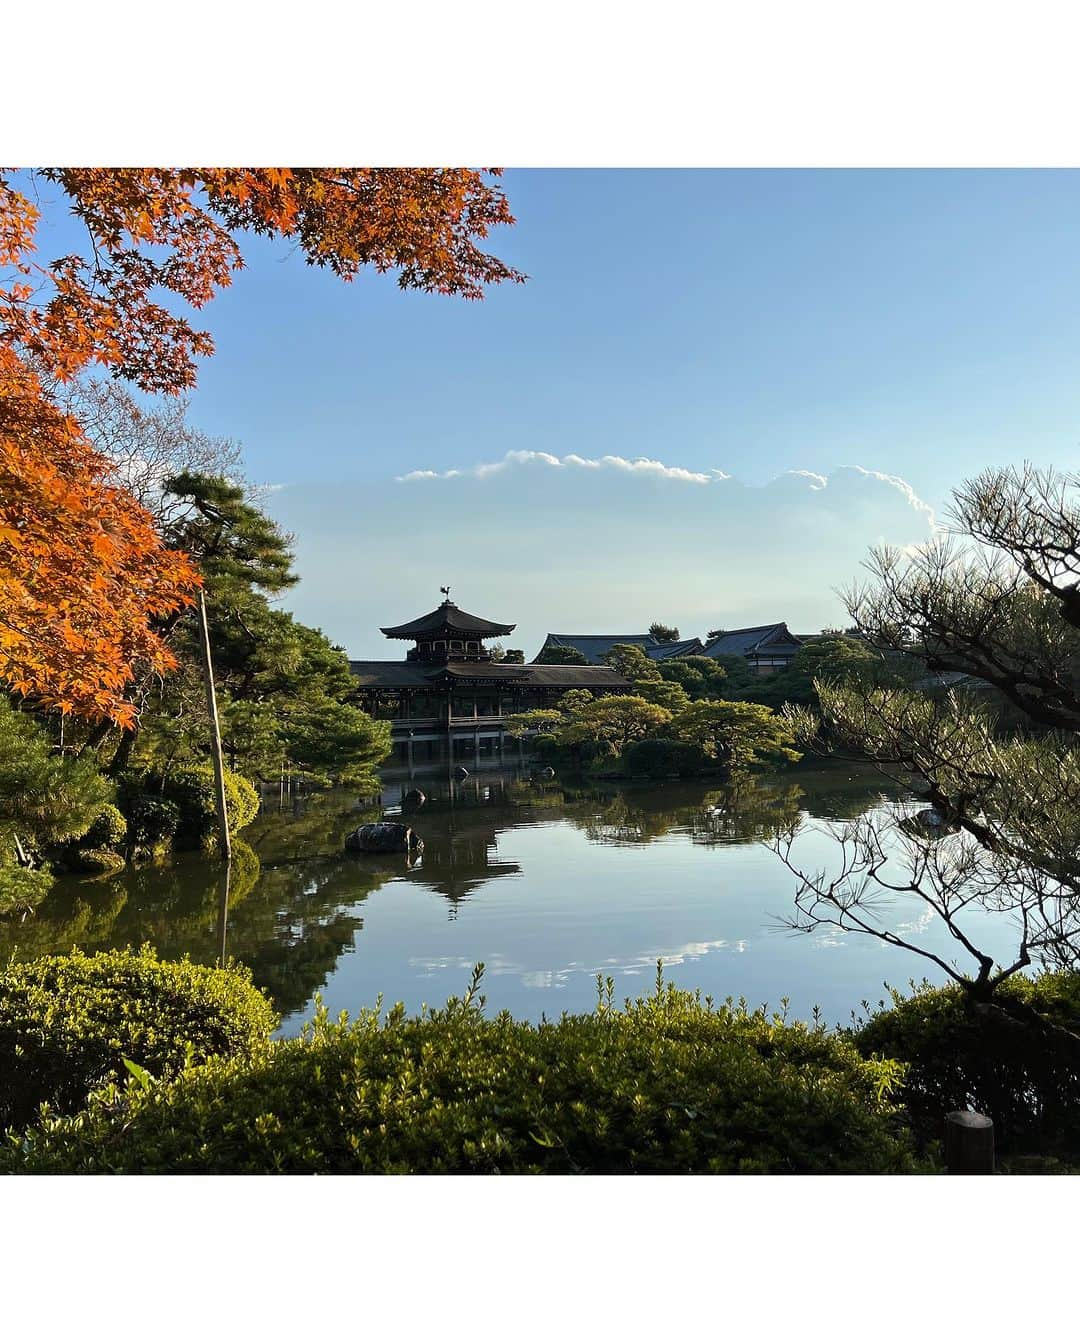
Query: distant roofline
(750, 629)
(616, 637)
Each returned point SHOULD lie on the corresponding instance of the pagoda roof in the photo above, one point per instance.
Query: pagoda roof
(447, 619)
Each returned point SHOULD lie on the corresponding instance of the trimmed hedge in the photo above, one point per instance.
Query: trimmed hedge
(1025, 1077)
(68, 1022)
(667, 1085)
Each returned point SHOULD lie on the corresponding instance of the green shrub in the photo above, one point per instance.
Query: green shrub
(68, 1022)
(661, 757)
(152, 821)
(107, 831)
(192, 791)
(1027, 1079)
(100, 850)
(667, 1085)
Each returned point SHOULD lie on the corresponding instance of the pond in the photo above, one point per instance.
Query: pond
(548, 883)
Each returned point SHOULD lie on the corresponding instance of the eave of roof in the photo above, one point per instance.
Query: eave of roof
(449, 619)
(418, 675)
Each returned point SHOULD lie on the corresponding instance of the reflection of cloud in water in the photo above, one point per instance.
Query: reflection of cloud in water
(634, 964)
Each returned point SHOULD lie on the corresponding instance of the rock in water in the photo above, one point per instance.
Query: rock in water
(413, 799)
(383, 837)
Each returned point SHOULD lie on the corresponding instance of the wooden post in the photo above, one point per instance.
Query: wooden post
(215, 732)
(223, 918)
(969, 1143)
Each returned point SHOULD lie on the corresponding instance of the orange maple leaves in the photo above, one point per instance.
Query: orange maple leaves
(82, 570)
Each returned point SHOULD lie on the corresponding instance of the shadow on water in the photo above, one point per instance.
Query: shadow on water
(295, 903)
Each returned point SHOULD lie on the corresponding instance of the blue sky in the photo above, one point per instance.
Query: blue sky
(921, 325)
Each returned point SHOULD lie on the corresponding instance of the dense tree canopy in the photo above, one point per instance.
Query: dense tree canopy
(736, 735)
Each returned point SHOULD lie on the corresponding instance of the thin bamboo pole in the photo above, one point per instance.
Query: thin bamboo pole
(215, 732)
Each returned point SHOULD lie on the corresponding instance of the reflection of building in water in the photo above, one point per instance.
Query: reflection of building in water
(455, 866)
(448, 700)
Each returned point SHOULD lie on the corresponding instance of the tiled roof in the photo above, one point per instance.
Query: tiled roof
(742, 643)
(595, 646)
(446, 618)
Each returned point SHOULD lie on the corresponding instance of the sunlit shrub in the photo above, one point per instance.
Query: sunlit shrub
(667, 1085)
(192, 791)
(68, 1022)
(107, 831)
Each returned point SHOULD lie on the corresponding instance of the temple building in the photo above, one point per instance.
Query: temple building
(447, 701)
(595, 646)
(767, 648)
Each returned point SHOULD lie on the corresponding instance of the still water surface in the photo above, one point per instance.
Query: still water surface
(546, 883)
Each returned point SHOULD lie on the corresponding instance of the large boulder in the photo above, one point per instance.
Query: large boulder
(383, 837)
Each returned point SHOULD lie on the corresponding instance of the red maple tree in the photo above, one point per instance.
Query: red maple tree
(83, 573)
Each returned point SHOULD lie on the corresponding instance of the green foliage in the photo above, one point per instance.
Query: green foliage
(997, 1059)
(666, 694)
(661, 757)
(665, 634)
(632, 662)
(108, 830)
(46, 796)
(532, 720)
(562, 657)
(666, 1085)
(736, 735)
(284, 689)
(152, 821)
(709, 678)
(190, 789)
(22, 889)
(612, 722)
(236, 546)
(837, 659)
(67, 1024)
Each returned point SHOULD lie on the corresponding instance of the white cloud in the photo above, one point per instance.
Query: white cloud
(604, 543)
(844, 480)
(642, 466)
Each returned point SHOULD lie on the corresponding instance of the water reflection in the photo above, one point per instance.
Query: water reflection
(559, 881)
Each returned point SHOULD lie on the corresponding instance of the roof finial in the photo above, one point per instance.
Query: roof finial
(446, 593)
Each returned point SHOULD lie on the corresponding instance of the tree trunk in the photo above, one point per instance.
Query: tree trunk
(215, 732)
(96, 737)
(120, 760)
